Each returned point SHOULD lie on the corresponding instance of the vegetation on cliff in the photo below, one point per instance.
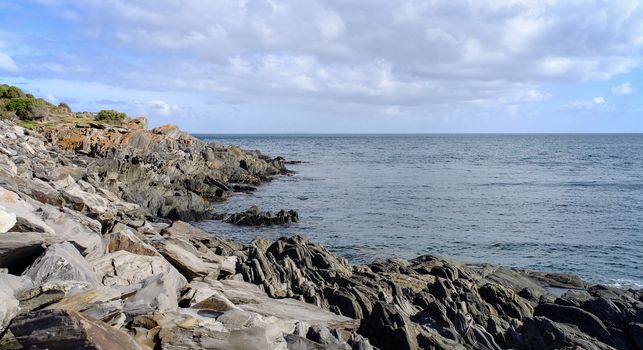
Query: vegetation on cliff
(31, 112)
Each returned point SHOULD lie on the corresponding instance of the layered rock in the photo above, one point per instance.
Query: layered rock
(254, 216)
(85, 263)
(166, 171)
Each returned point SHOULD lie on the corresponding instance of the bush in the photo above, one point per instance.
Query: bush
(8, 91)
(28, 108)
(111, 115)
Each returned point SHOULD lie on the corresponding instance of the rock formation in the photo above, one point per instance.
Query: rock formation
(92, 256)
(253, 216)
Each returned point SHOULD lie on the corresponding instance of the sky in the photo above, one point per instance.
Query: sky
(335, 66)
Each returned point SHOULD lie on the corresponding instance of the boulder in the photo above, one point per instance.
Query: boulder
(61, 262)
(63, 330)
(122, 268)
(387, 328)
(585, 321)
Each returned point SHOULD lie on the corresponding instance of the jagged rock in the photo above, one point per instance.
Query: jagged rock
(585, 321)
(104, 303)
(255, 217)
(387, 328)
(123, 268)
(187, 259)
(169, 172)
(200, 239)
(63, 330)
(61, 262)
(126, 240)
(156, 294)
(543, 333)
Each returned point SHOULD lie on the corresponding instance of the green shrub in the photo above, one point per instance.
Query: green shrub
(111, 115)
(8, 91)
(28, 108)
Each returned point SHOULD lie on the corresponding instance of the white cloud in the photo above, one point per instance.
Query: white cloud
(594, 103)
(163, 108)
(51, 98)
(623, 89)
(7, 64)
(378, 52)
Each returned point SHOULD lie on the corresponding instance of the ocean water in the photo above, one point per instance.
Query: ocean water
(566, 203)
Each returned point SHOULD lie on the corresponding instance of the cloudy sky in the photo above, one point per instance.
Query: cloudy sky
(377, 66)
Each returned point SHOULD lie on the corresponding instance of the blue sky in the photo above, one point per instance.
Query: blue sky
(270, 66)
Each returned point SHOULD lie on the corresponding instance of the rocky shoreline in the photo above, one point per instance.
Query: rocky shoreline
(95, 253)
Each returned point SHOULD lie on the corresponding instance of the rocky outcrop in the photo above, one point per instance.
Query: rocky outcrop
(253, 216)
(168, 172)
(89, 259)
(431, 302)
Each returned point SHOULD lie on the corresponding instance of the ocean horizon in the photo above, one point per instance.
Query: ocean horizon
(550, 202)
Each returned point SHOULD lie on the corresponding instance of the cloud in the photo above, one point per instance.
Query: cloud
(51, 98)
(384, 53)
(163, 108)
(623, 89)
(596, 102)
(7, 64)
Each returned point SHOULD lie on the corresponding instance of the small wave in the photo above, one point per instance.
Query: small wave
(625, 283)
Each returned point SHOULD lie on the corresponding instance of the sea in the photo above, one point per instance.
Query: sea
(550, 202)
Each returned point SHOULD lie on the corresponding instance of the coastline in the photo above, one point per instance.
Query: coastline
(106, 203)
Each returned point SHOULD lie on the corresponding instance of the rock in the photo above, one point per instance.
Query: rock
(635, 333)
(255, 217)
(7, 220)
(122, 268)
(19, 249)
(126, 240)
(585, 321)
(61, 262)
(386, 328)
(156, 294)
(9, 305)
(185, 257)
(63, 330)
(103, 304)
(543, 333)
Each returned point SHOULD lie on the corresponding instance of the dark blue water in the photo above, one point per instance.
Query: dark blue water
(568, 203)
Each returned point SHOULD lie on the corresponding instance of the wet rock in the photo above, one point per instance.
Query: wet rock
(63, 330)
(255, 217)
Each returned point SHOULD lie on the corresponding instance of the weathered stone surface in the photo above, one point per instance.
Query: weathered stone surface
(64, 330)
(61, 262)
(126, 240)
(124, 268)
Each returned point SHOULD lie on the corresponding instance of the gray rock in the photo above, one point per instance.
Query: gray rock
(63, 330)
(61, 262)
